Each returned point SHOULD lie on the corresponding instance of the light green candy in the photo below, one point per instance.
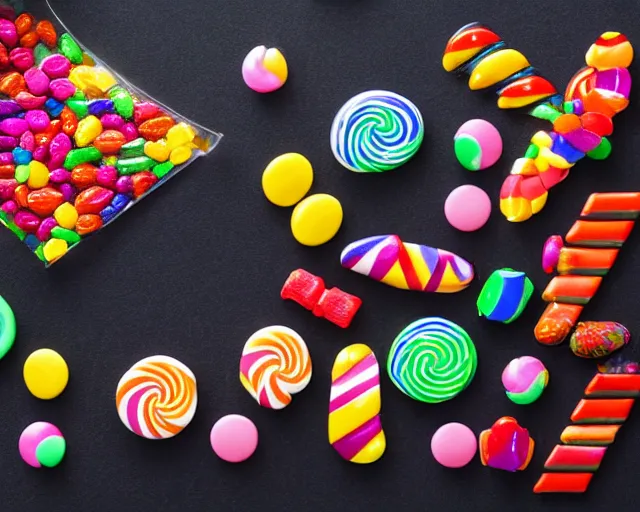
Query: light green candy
(70, 49)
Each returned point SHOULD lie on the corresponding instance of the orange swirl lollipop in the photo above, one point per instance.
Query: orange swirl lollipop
(157, 397)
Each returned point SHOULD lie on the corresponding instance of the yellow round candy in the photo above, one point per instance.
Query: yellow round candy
(55, 248)
(287, 179)
(38, 174)
(316, 219)
(66, 215)
(45, 373)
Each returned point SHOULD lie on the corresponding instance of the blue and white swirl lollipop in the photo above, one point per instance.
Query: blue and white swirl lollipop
(376, 131)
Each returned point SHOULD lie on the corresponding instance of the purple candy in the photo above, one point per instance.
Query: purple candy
(67, 191)
(129, 131)
(22, 58)
(107, 176)
(8, 33)
(124, 185)
(28, 141)
(60, 176)
(6, 158)
(10, 207)
(112, 122)
(44, 231)
(8, 143)
(9, 107)
(616, 80)
(28, 101)
(38, 120)
(99, 107)
(37, 81)
(27, 221)
(62, 89)
(56, 66)
(58, 148)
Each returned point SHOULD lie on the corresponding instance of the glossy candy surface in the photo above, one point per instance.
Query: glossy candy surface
(408, 266)
(477, 144)
(598, 339)
(432, 360)
(376, 131)
(316, 219)
(42, 444)
(274, 365)
(506, 445)
(287, 179)
(504, 295)
(64, 121)
(45, 373)
(7, 327)
(355, 429)
(264, 70)
(524, 380)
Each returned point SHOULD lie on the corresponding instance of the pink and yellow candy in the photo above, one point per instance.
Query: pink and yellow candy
(264, 70)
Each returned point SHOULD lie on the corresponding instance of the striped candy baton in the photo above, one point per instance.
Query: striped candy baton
(595, 422)
(604, 225)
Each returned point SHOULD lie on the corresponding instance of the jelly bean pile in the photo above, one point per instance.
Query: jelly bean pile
(77, 146)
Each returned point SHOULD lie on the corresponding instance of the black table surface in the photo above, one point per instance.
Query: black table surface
(197, 267)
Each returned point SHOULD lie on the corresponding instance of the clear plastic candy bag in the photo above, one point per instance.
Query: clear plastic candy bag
(79, 144)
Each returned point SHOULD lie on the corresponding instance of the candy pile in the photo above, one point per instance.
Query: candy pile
(77, 146)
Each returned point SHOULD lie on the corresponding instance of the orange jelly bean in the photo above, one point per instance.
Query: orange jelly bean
(156, 128)
(69, 121)
(556, 323)
(88, 223)
(84, 176)
(30, 39)
(24, 23)
(4, 57)
(20, 195)
(7, 171)
(109, 142)
(47, 33)
(12, 83)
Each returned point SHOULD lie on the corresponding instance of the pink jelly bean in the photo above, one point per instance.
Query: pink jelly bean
(27, 221)
(10, 207)
(58, 148)
(22, 58)
(6, 158)
(112, 122)
(14, 126)
(38, 120)
(41, 153)
(8, 33)
(44, 230)
(56, 66)
(62, 89)
(37, 81)
(60, 176)
(124, 185)
(67, 191)
(144, 111)
(28, 101)
(129, 131)
(107, 176)
(7, 188)
(28, 141)
(8, 143)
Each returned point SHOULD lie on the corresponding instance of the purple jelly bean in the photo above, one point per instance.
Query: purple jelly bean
(99, 107)
(129, 131)
(44, 231)
(28, 141)
(124, 185)
(41, 153)
(37, 81)
(62, 89)
(56, 66)
(60, 175)
(107, 176)
(67, 191)
(8, 33)
(7, 188)
(8, 143)
(22, 58)
(6, 158)
(38, 120)
(27, 221)
(28, 101)
(9, 107)
(10, 207)
(112, 122)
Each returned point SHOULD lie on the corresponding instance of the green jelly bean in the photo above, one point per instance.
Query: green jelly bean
(133, 165)
(76, 157)
(22, 173)
(532, 151)
(65, 234)
(546, 112)
(567, 107)
(122, 101)
(7, 327)
(70, 49)
(80, 107)
(601, 151)
(39, 252)
(133, 148)
(161, 170)
(40, 52)
(78, 96)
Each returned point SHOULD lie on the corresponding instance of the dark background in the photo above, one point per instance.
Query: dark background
(197, 267)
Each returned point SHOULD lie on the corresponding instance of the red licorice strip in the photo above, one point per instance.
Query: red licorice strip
(614, 385)
(563, 482)
(613, 205)
(575, 458)
(571, 289)
(592, 435)
(599, 411)
(590, 233)
(585, 262)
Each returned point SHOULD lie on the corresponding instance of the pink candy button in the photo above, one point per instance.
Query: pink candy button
(454, 445)
(234, 438)
(467, 208)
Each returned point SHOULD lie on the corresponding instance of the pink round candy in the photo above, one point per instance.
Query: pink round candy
(477, 144)
(264, 69)
(32, 437)
(467, 208)
(454, 445)
(234, 438)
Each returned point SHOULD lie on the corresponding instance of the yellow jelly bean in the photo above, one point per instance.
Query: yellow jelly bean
(54, 249)
(45, 373)
(180, 155)
(179, 135)
(496, 67)
(88, 78)
(38, 174)
(157, 150)
(66, 215)
(316, 219)
(88, 130)
(287, 179)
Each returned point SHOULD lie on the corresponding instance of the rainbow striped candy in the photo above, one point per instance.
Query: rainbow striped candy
(355, 430)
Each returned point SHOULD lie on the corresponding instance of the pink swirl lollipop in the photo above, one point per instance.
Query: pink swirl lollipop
(264, 70)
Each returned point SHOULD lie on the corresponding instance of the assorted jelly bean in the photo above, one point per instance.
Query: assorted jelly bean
(77, 146)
